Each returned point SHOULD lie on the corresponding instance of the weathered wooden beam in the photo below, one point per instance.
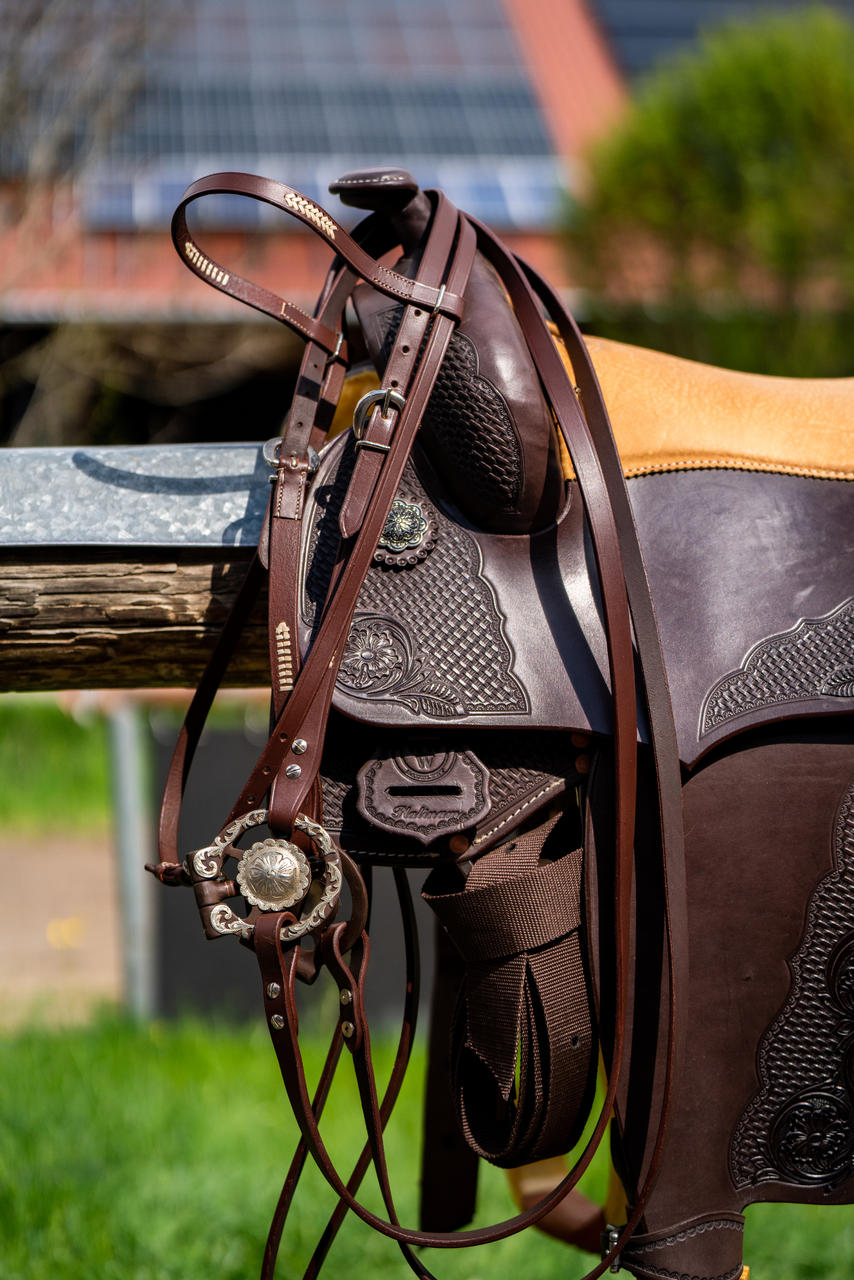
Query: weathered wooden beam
(118, 567)
(111, 622)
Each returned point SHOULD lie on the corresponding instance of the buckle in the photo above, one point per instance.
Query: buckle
(272, 875)
(332, 356)
(441, 298)
(271, 449)
(389, 399)
(610, 1236)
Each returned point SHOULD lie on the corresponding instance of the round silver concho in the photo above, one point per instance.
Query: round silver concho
(273, 875)
(409, 534)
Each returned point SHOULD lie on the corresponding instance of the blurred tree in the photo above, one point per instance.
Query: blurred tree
(143, 383)
(721, 206)
(71, 72)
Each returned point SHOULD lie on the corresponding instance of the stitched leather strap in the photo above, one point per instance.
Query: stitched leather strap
(269, 764)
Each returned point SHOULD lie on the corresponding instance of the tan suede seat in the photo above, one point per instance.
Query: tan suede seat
(671, 414)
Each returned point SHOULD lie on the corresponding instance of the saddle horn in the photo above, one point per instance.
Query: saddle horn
(488, 431)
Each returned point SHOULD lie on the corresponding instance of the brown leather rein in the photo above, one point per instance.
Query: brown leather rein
(286, 772)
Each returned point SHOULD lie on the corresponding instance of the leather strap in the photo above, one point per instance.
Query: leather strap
(616, 615)
(169, 868)
(307, 709)
(449, 1167)
(650, 656)
(278, 194)
(607, 545)
(408, 1026)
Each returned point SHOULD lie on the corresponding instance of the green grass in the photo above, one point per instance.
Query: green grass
(53, 768)
(158, 1152)
(153, 1153)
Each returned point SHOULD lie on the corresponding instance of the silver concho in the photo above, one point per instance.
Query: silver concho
(273, 875)
(405, 526)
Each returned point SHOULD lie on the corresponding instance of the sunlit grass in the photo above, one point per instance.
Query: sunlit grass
(156, 1153)
(54, 770)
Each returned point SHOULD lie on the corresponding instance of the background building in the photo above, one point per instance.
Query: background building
(109, 109)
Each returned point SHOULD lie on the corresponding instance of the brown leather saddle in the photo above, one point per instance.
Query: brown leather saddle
(613, 720)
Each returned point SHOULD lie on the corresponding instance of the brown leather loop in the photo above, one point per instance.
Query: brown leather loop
(281, 196)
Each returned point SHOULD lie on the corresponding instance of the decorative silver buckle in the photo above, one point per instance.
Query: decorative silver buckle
(273, 875)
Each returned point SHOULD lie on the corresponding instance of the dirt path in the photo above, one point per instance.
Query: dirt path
(59, 954)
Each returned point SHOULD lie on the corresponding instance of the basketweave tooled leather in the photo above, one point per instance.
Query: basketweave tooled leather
(750, 573)
(468, 429)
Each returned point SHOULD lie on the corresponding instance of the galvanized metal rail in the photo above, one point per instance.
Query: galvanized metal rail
(118, 565)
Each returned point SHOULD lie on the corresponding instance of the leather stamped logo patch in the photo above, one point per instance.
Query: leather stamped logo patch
(424, 796)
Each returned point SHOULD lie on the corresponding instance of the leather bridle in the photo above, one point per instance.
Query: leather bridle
(286, 772)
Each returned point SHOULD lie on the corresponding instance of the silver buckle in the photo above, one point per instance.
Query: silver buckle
(332, 356)
(389, 399)
(271, 449)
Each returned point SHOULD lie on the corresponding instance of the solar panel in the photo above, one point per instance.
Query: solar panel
(313, 87)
